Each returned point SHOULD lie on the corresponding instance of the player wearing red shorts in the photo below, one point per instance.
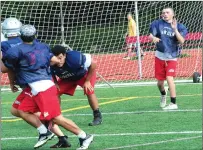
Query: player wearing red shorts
(11, 30)
(30, 62)
(76, 69)
(131, 40)
(167, 34)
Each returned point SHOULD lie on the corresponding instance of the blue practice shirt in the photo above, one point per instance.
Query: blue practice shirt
(169, 43)
(30, 62)
(73, 68)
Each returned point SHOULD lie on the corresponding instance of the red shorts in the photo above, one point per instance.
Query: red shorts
(25, 102)
(68, 87)
(48, 103)
(130, 40)
(164, 68)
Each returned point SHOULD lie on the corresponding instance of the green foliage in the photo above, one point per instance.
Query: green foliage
(183, 55)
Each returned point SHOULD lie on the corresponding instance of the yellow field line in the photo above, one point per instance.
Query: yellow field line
(68, 100)
(104, 103)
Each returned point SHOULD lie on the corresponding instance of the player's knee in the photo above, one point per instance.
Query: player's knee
(57, 120)
(37, 114)
(160, 83)
(14, 112)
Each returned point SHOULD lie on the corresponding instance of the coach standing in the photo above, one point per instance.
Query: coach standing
(167, 34)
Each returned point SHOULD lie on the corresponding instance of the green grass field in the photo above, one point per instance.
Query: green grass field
(132, 119)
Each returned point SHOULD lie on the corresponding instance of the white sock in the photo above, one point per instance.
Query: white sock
(82, 134)
(42, 129)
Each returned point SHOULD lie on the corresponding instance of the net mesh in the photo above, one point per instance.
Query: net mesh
(98, 28)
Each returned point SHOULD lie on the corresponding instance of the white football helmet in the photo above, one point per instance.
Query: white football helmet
(11, 27)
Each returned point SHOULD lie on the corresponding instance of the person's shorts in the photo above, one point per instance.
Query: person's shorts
(48, 103)
(25, 102)
(69, 87)
(164, 68)
(130, 41)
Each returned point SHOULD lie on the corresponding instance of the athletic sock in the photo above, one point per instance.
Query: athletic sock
(96, 111)
(82, 134)
(173, 100)
(42, 129)
(163, 92)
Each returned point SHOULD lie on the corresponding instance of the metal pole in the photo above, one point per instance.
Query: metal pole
(62, 27)
(62, 23)
(105, 80)
(138, 42)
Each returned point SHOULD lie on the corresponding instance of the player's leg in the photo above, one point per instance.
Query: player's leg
(93, 102)
(63, 140)
(92, 99)
(160, 75)
(84, 138)
(53, 112)
(170, 73)
(25, 110)
(129, 47)
(136, 47)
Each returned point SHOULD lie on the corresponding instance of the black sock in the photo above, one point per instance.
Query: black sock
(62, 138)
(173, 100)
(96, 111)
(163, 92)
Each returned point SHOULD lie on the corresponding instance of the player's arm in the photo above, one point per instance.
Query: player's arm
(11, 62)
(91, 65)
(4, 69)
(54, 60)
(55, 81)
(11, 76)
(179, 35)
(153, 32)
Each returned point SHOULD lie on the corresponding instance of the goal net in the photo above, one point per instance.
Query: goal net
(98, 27)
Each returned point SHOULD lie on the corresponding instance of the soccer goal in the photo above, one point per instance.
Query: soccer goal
(98, 27)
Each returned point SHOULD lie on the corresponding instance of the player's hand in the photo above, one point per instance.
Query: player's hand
(156, 40)
(174, 24)
(54, 60)
(13, 88)
(88, 87)
(57, 86)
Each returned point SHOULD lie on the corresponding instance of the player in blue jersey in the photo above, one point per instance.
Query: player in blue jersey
(167, 34)
(30, 62)
(76, 69)
(11, 30)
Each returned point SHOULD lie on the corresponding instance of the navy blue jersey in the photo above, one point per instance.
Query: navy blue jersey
(169, 43)
(11, 42)
(30, 62)
(73, 68)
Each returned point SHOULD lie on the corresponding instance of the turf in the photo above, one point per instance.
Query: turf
(132, 119)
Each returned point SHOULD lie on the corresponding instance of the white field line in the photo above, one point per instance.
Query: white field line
(123, 113)
(154, 143)
(151, 83)
(118, 134)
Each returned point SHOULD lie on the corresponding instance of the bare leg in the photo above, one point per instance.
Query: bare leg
(30, 118)
(67, 124)
(160, 85)
(93, 102)
(171, 85)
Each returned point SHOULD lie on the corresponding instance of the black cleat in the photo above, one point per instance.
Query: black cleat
(97, 118)
(62, 143)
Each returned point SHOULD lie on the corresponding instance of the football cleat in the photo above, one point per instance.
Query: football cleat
(43, 138)
(84, 143)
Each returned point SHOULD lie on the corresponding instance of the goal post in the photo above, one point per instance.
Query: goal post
(97, 27)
